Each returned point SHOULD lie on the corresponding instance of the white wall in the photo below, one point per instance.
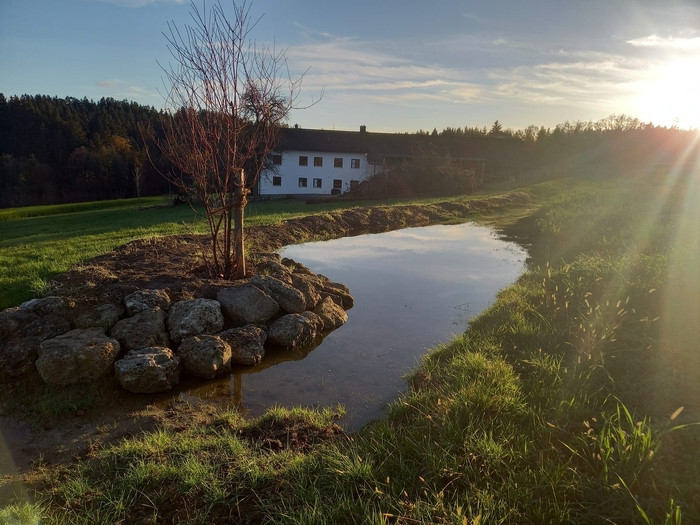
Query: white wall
(290, 171)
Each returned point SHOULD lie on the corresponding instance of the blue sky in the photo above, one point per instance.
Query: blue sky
(388, 64)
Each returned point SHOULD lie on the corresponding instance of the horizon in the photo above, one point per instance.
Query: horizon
(396, 67)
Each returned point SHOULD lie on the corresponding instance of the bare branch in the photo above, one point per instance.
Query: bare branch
(225, 100)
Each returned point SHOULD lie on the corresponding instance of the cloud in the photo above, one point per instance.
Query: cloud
(671, 42)
(108, 83)
(345, 67)
(593, 83)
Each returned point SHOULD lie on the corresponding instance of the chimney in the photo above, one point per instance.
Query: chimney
(363, 128)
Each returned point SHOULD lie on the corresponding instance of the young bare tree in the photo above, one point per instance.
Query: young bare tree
(226, 98)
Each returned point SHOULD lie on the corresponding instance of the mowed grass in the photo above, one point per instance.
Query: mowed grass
(573, 399)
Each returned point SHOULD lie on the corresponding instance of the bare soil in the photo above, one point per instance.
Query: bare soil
(176, 263)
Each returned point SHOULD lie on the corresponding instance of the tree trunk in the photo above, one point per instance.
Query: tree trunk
(240, 194)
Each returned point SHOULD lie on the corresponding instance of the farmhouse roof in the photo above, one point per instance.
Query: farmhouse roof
(380, 146)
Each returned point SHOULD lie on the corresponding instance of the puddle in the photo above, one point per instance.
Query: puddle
(413, 289)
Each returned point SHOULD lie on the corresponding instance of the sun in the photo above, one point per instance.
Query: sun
(670, 94)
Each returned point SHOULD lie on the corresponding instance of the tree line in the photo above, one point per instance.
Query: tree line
(57, 150)
(617, 142)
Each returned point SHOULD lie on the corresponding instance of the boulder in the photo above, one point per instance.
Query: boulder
(297, 267)
(48, 305)
(287, 297)
(105, 315)
(144, 329)
(292, 331)
(79, 355)
(13, 321)
(141, 300)
(308, 286)
(17, 357)
(194, 317)
(46, 327)
(332, 315)
(315, 320)
(205, 356)
(148, 370)
(247, 344)
(339, 293)
(245, 304)
(269, 264)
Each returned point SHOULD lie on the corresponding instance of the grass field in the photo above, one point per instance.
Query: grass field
(573, 399)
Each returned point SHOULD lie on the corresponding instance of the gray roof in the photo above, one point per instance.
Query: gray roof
(380, 146)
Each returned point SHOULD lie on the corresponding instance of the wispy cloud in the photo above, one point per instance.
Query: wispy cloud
(594, 83)
(346, 66)
(671, 42)
(107, 83)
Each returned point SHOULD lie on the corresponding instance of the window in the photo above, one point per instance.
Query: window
(303, 160)
(318, 183)
(337, 184)
(337, 162)
(277, 181)
(276, 159)
(302, 182)
(355, 163)
(318, 161)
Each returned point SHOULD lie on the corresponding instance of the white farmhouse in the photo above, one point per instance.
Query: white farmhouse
(318, 162)
(323, 162)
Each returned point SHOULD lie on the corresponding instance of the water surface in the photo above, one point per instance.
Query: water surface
(413, 289)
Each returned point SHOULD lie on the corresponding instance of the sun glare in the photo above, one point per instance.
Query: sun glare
(670, 94)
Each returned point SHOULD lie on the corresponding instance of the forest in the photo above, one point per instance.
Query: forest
(55, 150)
(58, 150)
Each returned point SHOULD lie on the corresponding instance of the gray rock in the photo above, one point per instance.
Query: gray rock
(292, 331)
(144, 329)
(141, 300)
(205, 356)
(48, 305)
(79, 355)
(247, 344)
(339, 293)
(245, 304)
(315, 320)
(194, 317)
(13, 321)
(297, 267)
(289, 298)
(47, 327)
(308, 286)
(104, 315)
(17, 357)
(332, 314)
(269, 264)
(148, 370)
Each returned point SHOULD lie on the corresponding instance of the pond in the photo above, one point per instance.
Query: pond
(413, 289)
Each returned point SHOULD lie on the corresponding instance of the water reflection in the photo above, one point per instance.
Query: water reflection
(413, 289)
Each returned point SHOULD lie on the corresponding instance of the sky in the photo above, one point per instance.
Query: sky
(391, 65)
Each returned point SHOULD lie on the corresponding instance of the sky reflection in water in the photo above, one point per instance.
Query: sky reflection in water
(413, 289)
